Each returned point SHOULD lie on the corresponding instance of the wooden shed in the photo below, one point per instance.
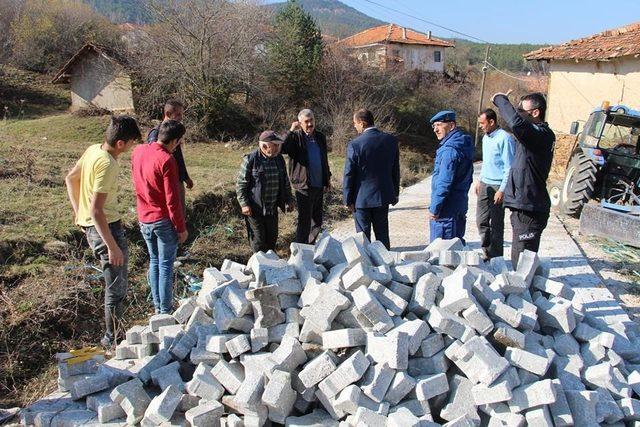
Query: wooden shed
(99, 79)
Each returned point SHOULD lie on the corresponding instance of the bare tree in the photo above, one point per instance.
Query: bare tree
(9, 10)
(348, 85)
(201, 51)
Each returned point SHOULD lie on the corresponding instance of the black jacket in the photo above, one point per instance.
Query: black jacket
(527, 183)
(252, 181)
(295, 146)
(183, 175)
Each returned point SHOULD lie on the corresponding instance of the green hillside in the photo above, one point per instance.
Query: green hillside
(120, 11)
(339, 20)
(336, 18)
(503, 56)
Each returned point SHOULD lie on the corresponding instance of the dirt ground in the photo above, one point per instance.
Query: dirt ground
(618, 266)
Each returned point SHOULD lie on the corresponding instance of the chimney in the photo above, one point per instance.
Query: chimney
(429, 35)
(404, 33)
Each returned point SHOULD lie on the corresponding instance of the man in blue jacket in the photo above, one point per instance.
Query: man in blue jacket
(371, 177)
(452, 178)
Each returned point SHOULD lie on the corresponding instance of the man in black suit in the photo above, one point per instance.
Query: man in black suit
(371, 177)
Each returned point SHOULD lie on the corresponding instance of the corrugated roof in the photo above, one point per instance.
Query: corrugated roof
(623, 41)
(392, 33)
(108, 53)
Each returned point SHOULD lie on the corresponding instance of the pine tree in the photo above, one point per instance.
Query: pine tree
(294, 53)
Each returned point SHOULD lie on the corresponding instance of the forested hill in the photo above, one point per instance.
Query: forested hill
(503, 56)
(336, 18)
(120, 11)
(339, 20)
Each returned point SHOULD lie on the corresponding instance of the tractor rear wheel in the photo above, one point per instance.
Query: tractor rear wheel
(579, 182)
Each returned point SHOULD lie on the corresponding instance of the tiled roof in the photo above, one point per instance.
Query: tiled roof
(392, 33)
(606, 45)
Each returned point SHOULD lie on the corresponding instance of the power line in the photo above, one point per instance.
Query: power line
(427, 22)
(505, 73)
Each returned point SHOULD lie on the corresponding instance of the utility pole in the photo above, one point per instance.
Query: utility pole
(484, 78)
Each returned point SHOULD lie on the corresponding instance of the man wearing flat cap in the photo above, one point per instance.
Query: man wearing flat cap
(263, 187)
(452, 178)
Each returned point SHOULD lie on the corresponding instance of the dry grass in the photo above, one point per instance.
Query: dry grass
(561, 155)
(51, 300)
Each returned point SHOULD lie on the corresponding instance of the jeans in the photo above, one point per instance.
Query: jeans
(162, 243)
(448, 228)
(379, 218)
(490, 220)
(262, 231)
(115, 277)
(527, 230)
(309, 203)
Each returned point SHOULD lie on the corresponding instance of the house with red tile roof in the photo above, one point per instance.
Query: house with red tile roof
(392, 46)
(585, 72)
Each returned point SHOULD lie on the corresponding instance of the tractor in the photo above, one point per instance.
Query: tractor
(602, 179)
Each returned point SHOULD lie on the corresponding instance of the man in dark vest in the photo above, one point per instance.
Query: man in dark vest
(263, 187)
(309, 173)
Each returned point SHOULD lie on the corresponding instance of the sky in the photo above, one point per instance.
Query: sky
(507, 21)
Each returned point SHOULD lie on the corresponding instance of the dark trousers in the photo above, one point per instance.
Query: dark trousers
(115, 277)
(309, 203)
(448, 228)
(262, 231)
(183, 198)
(527, 231)
(379, 218)
(490, 220)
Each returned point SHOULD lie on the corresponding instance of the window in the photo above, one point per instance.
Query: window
(437, 56)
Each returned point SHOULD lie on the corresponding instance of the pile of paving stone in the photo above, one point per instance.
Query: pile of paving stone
(350, 333)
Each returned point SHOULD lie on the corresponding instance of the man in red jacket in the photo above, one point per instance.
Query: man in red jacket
(160, 211)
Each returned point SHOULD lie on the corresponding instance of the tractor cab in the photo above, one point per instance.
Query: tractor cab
(611, 140)
(602, 179)
(611, 130)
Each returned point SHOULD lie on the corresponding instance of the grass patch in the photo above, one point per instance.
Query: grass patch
(52, 298)
(27, 95)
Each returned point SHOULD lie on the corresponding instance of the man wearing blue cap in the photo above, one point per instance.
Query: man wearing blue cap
(452, 178)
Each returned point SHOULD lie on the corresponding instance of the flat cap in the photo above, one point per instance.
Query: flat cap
(270, 136)
(444, 116)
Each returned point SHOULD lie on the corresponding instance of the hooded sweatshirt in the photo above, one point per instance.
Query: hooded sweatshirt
(452, 175)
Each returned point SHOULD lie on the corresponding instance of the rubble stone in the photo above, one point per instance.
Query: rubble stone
(369, 306)
(266, 306)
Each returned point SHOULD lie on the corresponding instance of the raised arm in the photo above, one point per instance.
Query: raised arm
(524, 130)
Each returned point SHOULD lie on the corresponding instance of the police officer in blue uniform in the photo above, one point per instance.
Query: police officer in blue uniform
(452, 178)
